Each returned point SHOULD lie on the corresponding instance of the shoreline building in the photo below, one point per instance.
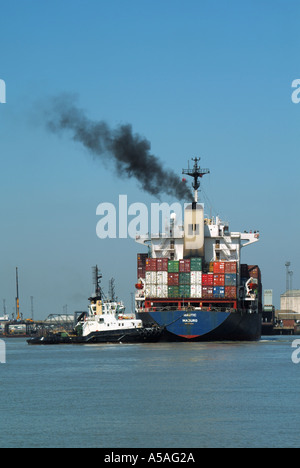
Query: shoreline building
(290, 301)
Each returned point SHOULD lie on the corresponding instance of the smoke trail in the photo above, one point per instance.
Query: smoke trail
(131, 152)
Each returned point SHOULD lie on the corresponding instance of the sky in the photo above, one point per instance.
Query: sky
(195, 78)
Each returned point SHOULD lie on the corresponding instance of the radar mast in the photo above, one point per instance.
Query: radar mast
(197, 173)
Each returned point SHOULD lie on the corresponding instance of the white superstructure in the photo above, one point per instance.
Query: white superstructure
(208, 235)
(107, 316)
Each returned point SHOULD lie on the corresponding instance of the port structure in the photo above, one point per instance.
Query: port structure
(17, 297)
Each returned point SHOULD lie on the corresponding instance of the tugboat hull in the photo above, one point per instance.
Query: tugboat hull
(143, 335)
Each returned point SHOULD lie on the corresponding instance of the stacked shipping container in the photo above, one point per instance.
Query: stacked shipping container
(219, 280)
(141, 265)
(185, 278)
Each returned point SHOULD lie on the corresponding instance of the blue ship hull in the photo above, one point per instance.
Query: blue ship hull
(197, 325)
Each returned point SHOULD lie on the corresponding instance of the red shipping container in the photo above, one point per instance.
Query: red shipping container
(173, 279)
(230, 267)
(207, 292)
(184, 266)
(151, 264)
(230, 292)
(219, 267)
(219, 280)
(162, 264)
(254, 272)
(208, 279)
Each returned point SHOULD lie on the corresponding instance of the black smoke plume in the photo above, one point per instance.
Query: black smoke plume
(130, 152)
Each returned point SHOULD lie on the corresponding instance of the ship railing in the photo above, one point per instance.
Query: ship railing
(188, 309)
(163, 235)
(178, 233)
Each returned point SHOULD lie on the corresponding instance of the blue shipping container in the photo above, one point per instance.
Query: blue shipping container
(219, 291)
(230, 279)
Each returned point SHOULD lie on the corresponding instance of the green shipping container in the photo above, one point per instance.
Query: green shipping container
(185, 278)
(184, 291)
(173, 292)
(196, 264)
(173, 266)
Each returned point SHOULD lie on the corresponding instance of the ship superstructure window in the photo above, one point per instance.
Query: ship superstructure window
(194, 229)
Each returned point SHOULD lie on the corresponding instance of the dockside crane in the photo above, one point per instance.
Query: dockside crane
(17, 298)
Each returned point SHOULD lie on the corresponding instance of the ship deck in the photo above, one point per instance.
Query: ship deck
(190, 304)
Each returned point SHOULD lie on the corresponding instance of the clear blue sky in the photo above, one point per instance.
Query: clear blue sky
(207, 78)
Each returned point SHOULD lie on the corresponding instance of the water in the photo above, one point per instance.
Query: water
(150, 396)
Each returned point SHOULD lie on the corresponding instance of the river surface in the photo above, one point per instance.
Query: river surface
(174, 395)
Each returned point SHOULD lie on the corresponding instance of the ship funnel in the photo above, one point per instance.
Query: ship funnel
(194, 231)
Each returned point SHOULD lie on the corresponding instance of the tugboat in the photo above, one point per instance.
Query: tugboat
(105, 322)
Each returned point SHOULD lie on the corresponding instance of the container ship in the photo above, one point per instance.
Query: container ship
(192, 284)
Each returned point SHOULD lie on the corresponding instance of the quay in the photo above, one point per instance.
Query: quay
(34, 328)
(281, 322)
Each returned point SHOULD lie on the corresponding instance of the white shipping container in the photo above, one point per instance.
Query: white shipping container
(162, 291)
(196, 291)
(162, 277)
(196, 277)
(151, 290)
(151, 277)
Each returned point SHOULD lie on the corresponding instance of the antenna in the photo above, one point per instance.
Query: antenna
(96, 280)
(197, 173)
(112, 290)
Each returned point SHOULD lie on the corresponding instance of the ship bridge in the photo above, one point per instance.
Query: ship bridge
(221, 244)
